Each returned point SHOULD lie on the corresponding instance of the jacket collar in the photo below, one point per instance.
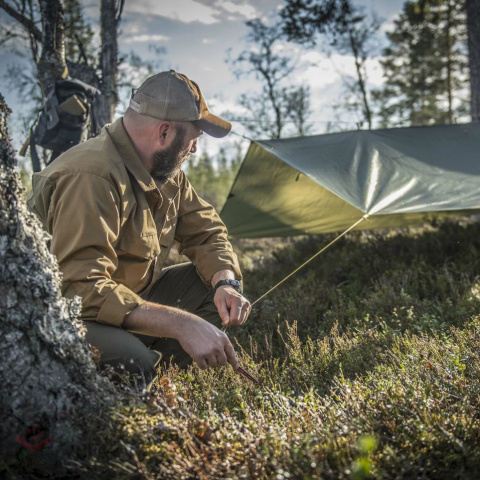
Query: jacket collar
(129, 155)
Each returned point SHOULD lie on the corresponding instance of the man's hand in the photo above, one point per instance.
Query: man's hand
(205, 343)
(232, 306)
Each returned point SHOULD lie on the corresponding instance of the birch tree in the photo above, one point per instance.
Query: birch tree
(47, 46)
(348, 30)
(278, 105)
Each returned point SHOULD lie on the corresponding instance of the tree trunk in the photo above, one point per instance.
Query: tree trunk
(52, 63)
(473, 26)
(449, 64)
(360, 79)
(50, 391)
(108, 60)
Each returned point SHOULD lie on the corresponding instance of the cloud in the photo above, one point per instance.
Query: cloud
(189, 11)
(387, 27)
(146, 38)
(243, 10)
(185, 11)
(312, 57)
(208, 41)
(320, 70)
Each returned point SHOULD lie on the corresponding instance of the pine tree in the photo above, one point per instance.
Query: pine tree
(49, 382)
(212, 178)
(425, 65)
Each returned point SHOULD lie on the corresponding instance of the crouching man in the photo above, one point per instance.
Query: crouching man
(114, 206)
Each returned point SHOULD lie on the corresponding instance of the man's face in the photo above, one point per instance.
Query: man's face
(168, 162)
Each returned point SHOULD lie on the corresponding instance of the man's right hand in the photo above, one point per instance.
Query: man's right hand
(205, 343)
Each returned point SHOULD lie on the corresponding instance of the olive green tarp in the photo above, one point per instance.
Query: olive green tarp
(325, 183)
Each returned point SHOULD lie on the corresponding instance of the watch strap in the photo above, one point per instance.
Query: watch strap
(232, 283)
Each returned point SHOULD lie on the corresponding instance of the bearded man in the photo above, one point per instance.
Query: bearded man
(114, 206)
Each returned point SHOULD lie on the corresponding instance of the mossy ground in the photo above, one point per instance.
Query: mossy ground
(368, 361)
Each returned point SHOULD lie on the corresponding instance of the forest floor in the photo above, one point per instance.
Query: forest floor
(368, 362)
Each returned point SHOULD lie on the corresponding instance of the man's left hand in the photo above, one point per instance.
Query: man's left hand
(232, 306)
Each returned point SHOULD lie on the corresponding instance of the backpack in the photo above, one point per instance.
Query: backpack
(65, 119)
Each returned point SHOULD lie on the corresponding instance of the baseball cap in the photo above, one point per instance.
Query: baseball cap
(172, 96)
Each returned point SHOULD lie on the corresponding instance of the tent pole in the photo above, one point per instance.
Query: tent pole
(311, 258)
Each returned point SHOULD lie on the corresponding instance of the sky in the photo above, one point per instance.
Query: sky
(196, 36)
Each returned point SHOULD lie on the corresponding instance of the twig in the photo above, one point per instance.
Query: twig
(23, 20)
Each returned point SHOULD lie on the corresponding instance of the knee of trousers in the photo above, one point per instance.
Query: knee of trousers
(142, 364)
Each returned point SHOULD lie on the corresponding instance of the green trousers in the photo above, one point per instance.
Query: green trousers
(140, 355)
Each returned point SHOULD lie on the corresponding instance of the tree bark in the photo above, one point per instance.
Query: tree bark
(52, 63)
(50, 389)
(108, 61)
(449, 64)
(473, 27)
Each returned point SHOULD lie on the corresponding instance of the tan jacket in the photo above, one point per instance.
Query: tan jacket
(112, 228)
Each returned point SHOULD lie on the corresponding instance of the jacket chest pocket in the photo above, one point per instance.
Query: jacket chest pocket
(138, 236)
(142, 246)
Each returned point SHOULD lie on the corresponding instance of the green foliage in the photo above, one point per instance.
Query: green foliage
(365, 280)
(212, 178)
(425, 66)
(368, 363)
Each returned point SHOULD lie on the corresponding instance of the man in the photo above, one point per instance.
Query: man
(114, 206)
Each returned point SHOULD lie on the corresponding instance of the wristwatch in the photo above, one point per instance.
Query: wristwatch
(233, 283)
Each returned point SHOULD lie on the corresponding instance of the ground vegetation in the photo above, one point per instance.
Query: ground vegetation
(367, 362)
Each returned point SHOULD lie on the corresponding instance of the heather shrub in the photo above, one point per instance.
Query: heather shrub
(367, 361)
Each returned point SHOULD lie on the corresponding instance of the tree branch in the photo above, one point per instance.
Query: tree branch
(119, 11)
(7, 34)
(80, 47)
(23, 20)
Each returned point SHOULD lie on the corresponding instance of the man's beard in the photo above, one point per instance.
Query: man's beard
(167, 163)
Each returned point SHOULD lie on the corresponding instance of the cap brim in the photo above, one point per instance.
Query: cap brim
(213, 126)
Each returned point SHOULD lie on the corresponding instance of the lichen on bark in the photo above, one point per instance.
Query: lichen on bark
(48, 378)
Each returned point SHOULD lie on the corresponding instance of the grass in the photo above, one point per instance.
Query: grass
(414, 415)
(369, 368)
(368, 361)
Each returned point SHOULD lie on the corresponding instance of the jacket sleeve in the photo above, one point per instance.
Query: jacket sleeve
(202, 235)
(83, 218)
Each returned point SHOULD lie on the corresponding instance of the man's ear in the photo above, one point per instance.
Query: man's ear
(164, 132)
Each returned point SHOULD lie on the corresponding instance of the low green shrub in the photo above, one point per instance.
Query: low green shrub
(368, 363)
